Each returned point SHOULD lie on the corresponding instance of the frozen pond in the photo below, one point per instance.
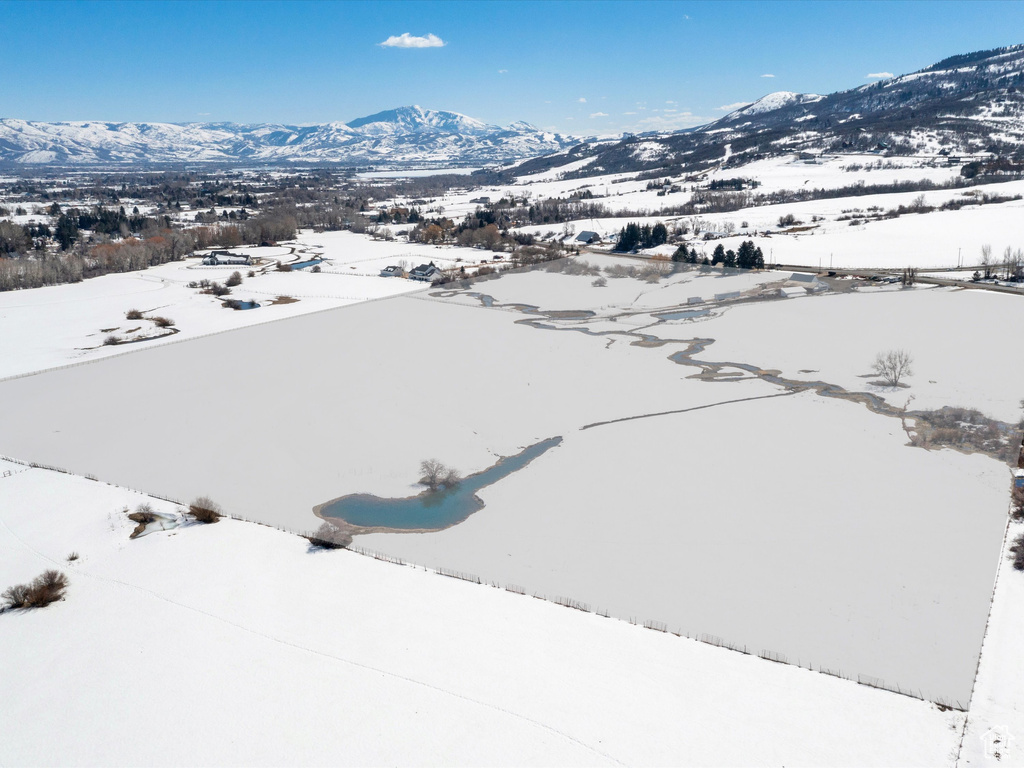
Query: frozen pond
(430, 510)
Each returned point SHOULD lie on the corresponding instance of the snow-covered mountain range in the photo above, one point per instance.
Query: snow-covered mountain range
(398, 136)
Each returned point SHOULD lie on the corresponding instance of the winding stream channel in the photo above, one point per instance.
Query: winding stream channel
(437, 510)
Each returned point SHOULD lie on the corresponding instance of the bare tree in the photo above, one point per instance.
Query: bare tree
(452, 477)
(986, 259)
(433, 471)
(436, 474)
(893, 366)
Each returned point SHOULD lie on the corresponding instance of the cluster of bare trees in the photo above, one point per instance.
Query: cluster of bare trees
(1010, 266)
(437, 475)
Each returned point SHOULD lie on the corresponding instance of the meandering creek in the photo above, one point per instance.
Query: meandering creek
(434, 511)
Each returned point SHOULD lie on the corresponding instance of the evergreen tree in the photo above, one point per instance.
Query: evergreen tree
(629, 238)
(66, 231)
(745, 255)
(719, 255)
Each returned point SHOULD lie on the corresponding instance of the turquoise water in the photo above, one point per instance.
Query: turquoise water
(683, 315)
(440, 509)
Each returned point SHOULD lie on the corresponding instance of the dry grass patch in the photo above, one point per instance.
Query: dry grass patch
(205, 510)
(46, 588)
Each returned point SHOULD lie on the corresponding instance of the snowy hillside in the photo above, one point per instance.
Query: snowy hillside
(966, 104)
(406, 134)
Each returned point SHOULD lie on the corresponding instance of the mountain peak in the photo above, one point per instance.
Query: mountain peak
(415, 119)
(773, 101)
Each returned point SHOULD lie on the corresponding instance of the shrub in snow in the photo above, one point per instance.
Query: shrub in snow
(1017, 550)
(111, 340)
(163, 322)
(133, 314)
(235, 279)
(205, 510)
(1017, 504)
(328, 536)
(44, 589)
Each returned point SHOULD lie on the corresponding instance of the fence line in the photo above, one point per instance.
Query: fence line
(568, 602)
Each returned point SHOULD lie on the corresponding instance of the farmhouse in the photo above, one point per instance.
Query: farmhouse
(588, 237)
(391, 272)
(224, 258)
(425, 272)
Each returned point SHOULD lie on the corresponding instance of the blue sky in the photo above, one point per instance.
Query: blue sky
(576, 67)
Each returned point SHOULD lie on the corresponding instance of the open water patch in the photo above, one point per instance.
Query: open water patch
(430, 510)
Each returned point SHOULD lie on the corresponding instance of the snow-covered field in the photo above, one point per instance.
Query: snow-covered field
(58, 325)
(236, 644)
(938, 238)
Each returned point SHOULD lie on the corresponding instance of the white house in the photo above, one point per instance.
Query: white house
(391, 272)
(428, 273)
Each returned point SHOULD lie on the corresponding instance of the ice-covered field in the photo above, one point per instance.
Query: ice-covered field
(757, 493)
(798, 525)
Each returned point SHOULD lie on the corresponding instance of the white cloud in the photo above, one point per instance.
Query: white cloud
(767, 75)
(879, 75)
(598, 114)
(202, 114)
(670, 102)
(629, 113)
(405, 40)
(731, 107)
(502, 71)
(581, 100)
(673, 122)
